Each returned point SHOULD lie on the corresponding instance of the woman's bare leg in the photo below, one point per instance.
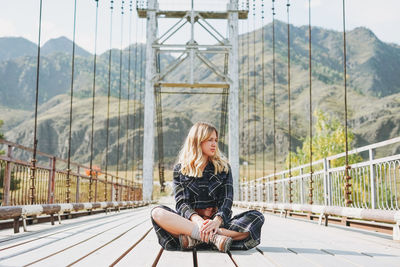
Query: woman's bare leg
(172, 223)
(235, 235)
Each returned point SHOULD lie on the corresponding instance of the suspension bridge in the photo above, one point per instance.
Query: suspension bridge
(340, 209)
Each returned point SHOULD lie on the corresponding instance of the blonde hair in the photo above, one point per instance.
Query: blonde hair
(191, 155)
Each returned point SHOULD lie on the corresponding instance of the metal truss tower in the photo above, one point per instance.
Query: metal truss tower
(191, 53)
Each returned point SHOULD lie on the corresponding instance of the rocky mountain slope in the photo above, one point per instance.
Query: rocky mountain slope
(373, 83)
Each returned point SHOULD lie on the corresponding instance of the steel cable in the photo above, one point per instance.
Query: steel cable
(119, 101)
(263, 97)
(348, 184)
(273, 94)
(254, 99)
(128, 96)
(35, 141)
(248, 109)
(289, 110)
(108, 101)
(134, 103)
(68, 197)
(140, 150)
(93, 103)
(310, 103)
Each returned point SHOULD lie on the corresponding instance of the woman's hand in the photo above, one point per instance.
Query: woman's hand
(210, 227)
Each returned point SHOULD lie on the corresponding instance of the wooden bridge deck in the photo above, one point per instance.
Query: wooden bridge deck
(127, 239)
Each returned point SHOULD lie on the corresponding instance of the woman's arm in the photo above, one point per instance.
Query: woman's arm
(181, 201)
(225, 199)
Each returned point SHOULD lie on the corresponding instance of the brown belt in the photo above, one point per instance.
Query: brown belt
(206, 213)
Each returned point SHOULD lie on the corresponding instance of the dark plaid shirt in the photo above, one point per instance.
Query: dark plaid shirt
(211, 190)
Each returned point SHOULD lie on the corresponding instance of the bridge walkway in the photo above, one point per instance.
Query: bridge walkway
(126, 238)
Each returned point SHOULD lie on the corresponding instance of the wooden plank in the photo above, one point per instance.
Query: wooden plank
(98, 251)
(46, 229)
(68, 240)
(213, 258)
(280, 256)
(143, 254)
(8, 237)
(320, 258)
(250, 257)
(315, 244)
(364, 259)
(176, 258)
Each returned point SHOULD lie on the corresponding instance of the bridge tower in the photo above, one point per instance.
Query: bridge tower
(227, 47)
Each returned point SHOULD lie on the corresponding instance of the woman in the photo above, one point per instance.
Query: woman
(204, 193)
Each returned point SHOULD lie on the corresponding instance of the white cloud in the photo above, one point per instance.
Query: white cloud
(7, 28)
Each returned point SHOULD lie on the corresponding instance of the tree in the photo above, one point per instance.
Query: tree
(328, 139)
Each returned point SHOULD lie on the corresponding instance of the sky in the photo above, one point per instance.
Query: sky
(21, 18)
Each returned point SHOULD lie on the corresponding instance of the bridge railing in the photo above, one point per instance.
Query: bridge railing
(51, 185)
(375, 182)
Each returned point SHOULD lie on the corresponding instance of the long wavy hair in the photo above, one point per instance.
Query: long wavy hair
(191, 155)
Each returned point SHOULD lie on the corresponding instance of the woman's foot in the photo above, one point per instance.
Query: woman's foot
(188, 242)
(223, 243)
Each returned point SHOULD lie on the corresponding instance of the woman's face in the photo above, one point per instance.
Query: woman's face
(209, 146)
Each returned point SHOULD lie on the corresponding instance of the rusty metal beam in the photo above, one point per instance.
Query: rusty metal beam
(195, 85)
(242, 14)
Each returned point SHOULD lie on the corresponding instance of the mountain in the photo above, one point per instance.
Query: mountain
(373, 93)
(18, 76)
(62, 45)
(13, 47)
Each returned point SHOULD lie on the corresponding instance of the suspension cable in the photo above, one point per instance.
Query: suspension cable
(129, 87)
(119, 99)
(241, 106)
(289, 110)
(263, 98)
(93, 102)
(273, 94)
(347, 176)
(134, 102)
(68, 198)
(248, 109)
(140, 151)
(310, 195)
(241, 50)
(254, 99)
(108, 100)
(35, 141)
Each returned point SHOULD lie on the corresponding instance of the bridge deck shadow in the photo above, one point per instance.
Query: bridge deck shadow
(126, 238)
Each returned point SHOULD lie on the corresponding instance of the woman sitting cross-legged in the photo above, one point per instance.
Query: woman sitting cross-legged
(204, 193)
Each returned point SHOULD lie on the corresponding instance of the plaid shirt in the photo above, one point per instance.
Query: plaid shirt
(188, 194)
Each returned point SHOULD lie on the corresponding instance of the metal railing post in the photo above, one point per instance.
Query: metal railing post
(78, 178)
(7, 178)
(283, 189)
(51, 188)
(330, 194)
(328, 181)
(325, 180)
(301, 187)
(95, 188)
(372, 179)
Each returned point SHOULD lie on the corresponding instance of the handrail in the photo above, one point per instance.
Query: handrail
(375, 182)
(5, 158)
(50, 181)
(340, 155)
